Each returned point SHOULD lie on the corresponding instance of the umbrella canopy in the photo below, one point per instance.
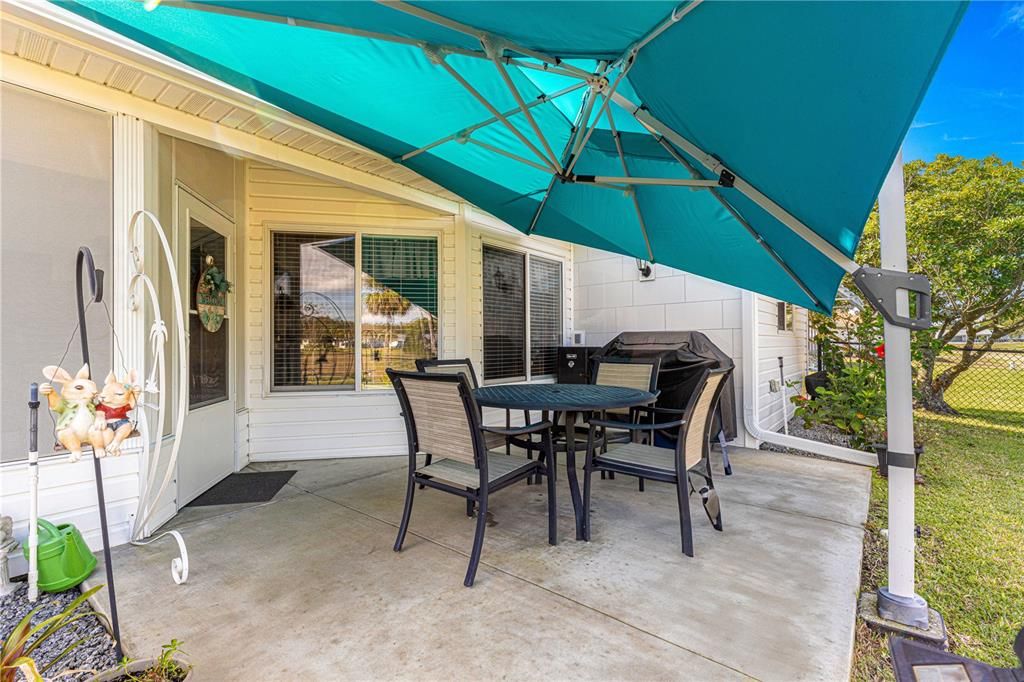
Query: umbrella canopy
(745, 142)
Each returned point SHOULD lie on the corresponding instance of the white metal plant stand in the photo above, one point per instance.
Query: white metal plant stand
(141, 292)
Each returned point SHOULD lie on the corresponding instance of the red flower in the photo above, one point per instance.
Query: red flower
(880, 350)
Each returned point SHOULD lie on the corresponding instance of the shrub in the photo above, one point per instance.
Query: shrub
(853, 402)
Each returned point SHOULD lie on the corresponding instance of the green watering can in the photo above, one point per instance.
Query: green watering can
(64, 558)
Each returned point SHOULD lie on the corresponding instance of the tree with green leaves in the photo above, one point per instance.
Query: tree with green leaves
(965, 231)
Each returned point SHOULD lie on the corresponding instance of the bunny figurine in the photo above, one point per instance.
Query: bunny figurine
(74, 405)
(112, 424)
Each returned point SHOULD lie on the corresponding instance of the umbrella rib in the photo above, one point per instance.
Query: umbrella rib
(541, 205)
(632, 190)
(559, 68)
(573, 136)
(510, 155)
(758, 237)
(728, 178)
(671, 20)
(496, 58)
(695, 183)
(491, 108)
(427, 15)
(604, 108)
(483, 124)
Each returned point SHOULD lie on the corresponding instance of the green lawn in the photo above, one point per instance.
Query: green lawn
(970, 563)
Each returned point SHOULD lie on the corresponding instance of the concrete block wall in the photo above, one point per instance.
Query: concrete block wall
(610, 298)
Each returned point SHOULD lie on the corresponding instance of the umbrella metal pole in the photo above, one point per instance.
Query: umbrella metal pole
(897, 601)
(33, 487)
(96, 289)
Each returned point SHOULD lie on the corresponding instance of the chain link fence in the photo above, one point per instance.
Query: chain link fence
(990, 390)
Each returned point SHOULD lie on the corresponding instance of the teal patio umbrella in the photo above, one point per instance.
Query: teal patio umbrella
(742, 141)
(745, 142)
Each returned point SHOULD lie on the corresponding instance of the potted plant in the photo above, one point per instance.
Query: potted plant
(169, 666)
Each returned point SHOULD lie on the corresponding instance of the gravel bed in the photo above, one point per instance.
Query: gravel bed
(822, 433)
(94, 655)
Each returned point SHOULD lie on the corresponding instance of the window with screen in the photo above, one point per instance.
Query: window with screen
(56, 180)
(314, 289)
(513, 349)
(399, 298)
(504, 291)
(318, 299)
(545, 314)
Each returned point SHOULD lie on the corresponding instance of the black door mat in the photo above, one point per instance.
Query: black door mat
(244, 488)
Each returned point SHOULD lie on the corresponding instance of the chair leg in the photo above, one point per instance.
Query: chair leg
(406, 513)
(685, 527)
(709, 496)
(478, 541)
(587, 471)
(552, 506)
(426, 462)
(640, 484)
(469, 507)
(725, 454)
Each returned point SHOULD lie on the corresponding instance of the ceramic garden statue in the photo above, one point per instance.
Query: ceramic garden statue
(112, 424)
(75, 406)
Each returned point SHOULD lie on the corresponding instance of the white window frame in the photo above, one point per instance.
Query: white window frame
(785, 317)
(338, 229)
(527, 252)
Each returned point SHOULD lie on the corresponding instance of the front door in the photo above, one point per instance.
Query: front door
(207, 451)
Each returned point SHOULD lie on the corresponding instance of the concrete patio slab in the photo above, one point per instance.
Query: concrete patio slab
(307, 587)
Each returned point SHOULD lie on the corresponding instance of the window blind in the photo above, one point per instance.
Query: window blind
(545, 314)
(400, 305)
(313, 311)
(504, 314)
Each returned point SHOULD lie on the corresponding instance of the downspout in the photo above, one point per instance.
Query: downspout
(750, 399)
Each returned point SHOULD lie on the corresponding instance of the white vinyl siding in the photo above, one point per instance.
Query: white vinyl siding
(296, 425)
(522, 314)
(774, 342)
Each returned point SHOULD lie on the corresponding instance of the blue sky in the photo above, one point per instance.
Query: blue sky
(975, 105)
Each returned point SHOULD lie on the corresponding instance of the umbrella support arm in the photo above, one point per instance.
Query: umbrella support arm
(633, 180)
(728, 178)
(466, 132)
(758, 237)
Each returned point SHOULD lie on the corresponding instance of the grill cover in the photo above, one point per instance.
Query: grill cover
(684, 355)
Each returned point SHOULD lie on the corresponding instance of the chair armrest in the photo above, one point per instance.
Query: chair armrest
(519, 430)
(637, 427)
(656, 410)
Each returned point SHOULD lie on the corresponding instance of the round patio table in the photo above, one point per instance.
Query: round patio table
(570, 399)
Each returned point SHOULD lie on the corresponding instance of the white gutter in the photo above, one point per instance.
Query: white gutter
(750, 399)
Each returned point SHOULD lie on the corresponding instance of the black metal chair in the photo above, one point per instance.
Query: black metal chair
(670, 465)
(638, 373)
(464, 366)
(442, 420)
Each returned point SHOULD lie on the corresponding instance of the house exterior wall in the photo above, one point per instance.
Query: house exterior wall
(286, 425)
(303, 425)
(773, 343)
(611, 298)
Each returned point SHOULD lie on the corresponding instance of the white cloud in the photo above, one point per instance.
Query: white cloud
(1013, 18)
(946, 137)
(917, 125)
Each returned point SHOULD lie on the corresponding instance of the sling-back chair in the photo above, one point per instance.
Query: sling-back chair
(670, 465)
(442, 421)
